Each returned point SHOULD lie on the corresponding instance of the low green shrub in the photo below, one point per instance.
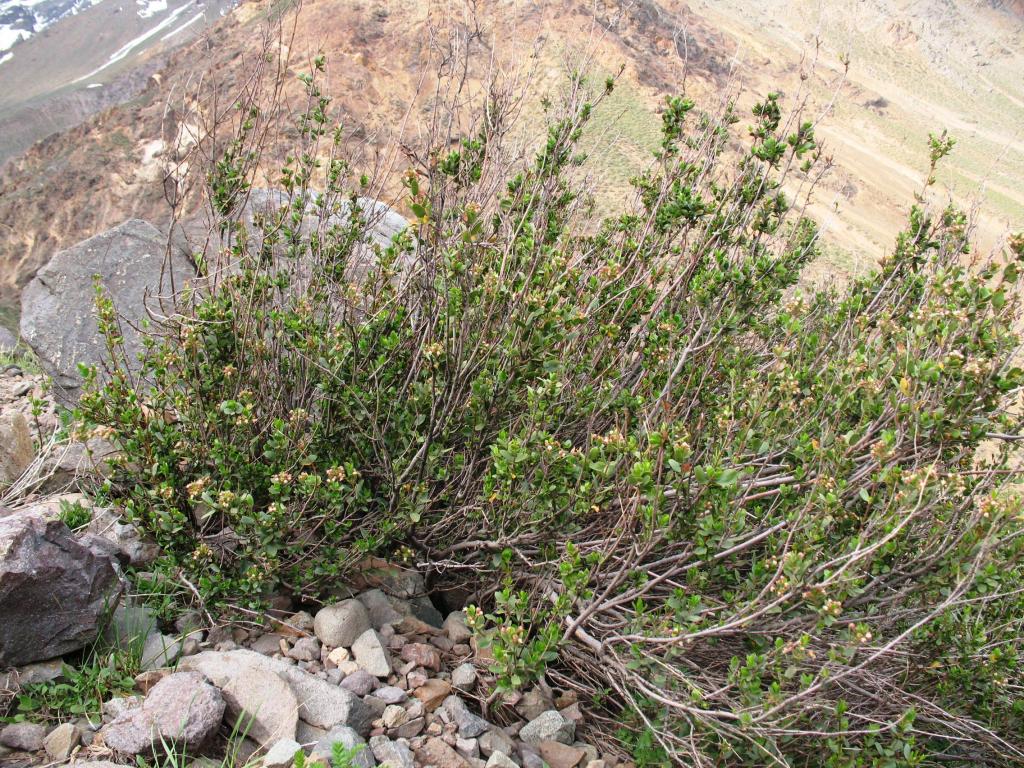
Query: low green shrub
(754, 523)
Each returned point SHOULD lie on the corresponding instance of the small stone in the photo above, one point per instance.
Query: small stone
(417, 677)
(305, 649)
(117, 706)
(433, 693)
(496, 740)
(455, 627)
(467, 747)
(61, 741)
(359, 682)
(28, 737)
(268, 644)
(422, 655)
(572, 712)
(442, 643)
(392, 754)
(348, 738)
(532, 759)
(380, 608)
(470, 725)
(411, 729)
(533, 704)
(340, 624)
(394, 716)
(437, 753)
(549, 726)
(160, 651)
(371, 654)
(464, 677)
(16, 449)
(589, 751)
(389, 694)
(411, 625)
(375, 705)
(190, 646)
(144, 681)
(348, 667)
(307, 735)
(281, 754)
(339, 656)
(501, 760)
(299, 624)
(596, 764)
(559, 755)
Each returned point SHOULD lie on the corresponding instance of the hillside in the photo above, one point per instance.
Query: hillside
(915, 68)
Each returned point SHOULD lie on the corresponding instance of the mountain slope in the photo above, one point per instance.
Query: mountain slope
(914, 69)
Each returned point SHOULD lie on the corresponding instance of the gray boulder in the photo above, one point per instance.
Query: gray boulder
(182, 711)
(320, 704)
(57, 308)
(54, 591)
(270, 205)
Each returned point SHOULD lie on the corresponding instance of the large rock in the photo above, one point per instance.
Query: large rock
(181, 711)
(263, 705)
(271, 206)
(57, 308)
(320, 704)
(53, 590)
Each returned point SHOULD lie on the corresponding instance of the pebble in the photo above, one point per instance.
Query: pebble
(464, 677)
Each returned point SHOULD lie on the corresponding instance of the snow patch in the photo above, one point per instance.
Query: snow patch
(148, 8)
(94, 85)
(188, 23)
(8, 37)
(128, 47)
(6, 57)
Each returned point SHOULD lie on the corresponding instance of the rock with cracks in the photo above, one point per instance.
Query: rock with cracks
(54, 591)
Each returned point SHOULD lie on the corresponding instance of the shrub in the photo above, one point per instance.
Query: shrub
(759, 524)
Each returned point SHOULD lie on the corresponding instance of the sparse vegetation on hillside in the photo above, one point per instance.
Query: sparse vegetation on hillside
(749, 523)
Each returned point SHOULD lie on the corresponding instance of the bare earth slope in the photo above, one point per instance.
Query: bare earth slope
(916, 66)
